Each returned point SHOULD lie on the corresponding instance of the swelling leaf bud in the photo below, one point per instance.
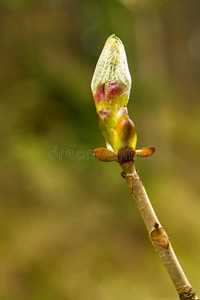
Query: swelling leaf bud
(111, 85)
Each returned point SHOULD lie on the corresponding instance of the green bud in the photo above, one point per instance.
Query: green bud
(111, 85)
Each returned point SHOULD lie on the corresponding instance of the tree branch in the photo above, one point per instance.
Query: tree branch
(157, 234)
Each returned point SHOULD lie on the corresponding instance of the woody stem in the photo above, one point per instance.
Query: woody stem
(157, 234)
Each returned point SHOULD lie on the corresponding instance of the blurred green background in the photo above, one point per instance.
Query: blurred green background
(69, 228)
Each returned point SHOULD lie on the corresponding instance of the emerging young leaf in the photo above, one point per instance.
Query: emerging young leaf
(112, 66)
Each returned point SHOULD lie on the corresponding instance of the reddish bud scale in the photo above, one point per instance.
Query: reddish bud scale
(108, 91)
(111, 95)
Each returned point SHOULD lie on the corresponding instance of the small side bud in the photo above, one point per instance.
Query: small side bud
(160, 238)
(145, 152)
(105, 155)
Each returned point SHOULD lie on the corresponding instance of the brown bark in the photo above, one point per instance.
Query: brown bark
(157, 234)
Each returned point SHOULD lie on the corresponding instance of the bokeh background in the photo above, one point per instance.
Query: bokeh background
(69, 228)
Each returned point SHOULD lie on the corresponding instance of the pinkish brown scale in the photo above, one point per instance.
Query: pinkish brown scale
(99, 95)
(108, 91)
(112, 90)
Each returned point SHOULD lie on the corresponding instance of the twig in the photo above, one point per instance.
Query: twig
(157, 234)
